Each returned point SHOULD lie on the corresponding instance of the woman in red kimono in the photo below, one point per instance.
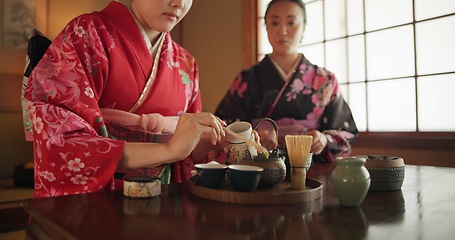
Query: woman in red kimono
(300, 97)
(114, 95)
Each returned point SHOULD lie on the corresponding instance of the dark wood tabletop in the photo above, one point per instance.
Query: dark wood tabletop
(423, 209)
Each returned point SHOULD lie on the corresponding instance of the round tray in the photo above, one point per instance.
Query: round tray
(278, 194)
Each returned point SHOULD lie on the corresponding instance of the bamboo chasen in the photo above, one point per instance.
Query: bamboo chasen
(298, 148)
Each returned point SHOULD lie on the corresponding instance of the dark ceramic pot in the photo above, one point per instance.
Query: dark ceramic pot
(387, 172)
(274, 166)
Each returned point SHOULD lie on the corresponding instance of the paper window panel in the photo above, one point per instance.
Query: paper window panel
(436, 46)
(425, 9)
(356, 59)
(314, 31)
(357, 103)
(386, 13)
(390, 53)
(392, 106)
(335, 19)
(435, 105)
(336, 59)
(314, 53)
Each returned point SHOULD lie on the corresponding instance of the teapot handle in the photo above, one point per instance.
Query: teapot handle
(269, 120)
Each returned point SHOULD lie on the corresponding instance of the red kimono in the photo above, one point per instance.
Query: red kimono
(100, 60)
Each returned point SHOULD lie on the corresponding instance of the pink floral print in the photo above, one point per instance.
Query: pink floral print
(239, 87)
(72, 150)
(310, 100)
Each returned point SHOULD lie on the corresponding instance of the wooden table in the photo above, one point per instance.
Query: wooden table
(423, 209)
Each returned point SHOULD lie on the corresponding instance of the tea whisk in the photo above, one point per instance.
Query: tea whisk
(298, 148)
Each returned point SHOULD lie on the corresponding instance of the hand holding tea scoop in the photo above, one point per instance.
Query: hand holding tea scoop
(249, 142)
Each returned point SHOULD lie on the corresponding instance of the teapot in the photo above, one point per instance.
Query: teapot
(274, 166)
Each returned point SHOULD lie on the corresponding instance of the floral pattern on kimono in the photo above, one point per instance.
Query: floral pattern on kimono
(99, 60)
(311, 100)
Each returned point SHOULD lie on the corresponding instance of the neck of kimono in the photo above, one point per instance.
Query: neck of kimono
(285, 61)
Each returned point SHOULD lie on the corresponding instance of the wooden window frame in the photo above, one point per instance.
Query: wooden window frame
(250, 33)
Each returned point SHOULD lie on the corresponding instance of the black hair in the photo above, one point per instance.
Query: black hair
(298, 2)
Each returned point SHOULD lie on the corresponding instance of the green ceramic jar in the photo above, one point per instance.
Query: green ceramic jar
(351, 180)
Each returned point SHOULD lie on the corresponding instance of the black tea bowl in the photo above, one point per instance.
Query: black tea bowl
(210, 175)
(244, 178)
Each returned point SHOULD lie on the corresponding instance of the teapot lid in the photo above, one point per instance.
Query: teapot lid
(272, 156)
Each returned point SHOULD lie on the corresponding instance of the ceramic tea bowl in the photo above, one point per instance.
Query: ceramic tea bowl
(244, 178)
(210, 175)
(386, 172)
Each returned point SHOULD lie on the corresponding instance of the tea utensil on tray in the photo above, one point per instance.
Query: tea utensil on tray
(298, 147)
(249, 142)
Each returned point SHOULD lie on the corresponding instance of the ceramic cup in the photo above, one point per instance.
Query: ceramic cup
(210, 175)
(238, 148)
(244, 178)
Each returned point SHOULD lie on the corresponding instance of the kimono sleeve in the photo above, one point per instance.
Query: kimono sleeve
(338, 125)
(195, 104)
(181, 170)
(72, 152)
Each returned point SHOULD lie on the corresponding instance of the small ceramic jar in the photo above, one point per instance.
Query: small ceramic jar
(141, 187)
(351, 180)
(387, 172)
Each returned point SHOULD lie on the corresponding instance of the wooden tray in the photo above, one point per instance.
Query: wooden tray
(279, 194)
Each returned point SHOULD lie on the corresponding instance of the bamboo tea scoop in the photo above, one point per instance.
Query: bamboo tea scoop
(249, 142)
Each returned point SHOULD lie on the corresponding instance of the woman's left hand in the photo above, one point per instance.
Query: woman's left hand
(319, 141)
(267, 139)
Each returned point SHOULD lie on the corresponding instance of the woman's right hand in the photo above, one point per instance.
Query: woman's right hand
(190, 130)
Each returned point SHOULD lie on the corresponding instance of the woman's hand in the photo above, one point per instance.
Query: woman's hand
(268, 139)
(195, 129)
(192, 129)
(319, 141)
(205, 146)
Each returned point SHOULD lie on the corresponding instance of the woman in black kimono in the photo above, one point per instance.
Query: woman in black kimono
(300, 97)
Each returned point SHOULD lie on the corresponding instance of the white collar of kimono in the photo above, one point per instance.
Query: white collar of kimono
(287, 76)
(153, 49)
(155, 52)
